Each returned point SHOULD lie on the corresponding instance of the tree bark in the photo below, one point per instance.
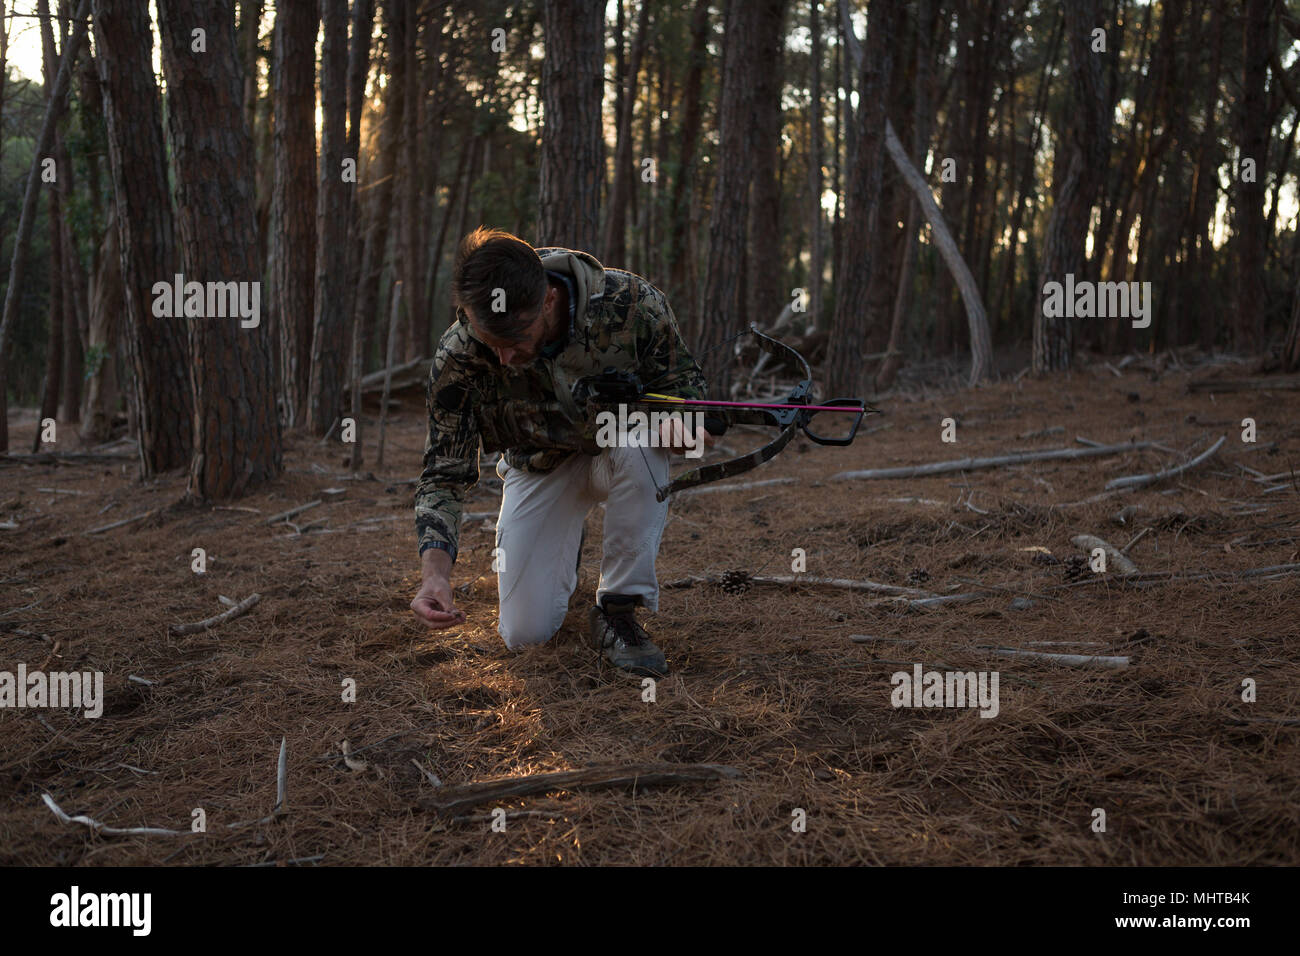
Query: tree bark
(766, 292)
(724, 291)
(845, 372)
(614, 246)
(381, 203)
(977, 321)
(27, 217)
(1085, 138)
(684, 183)
(333, 213)
(363, 12)
(107, 306)
(293, 200)
(1248, 328)
(417, 311)
(237, 442)
(572, 162)
(160, 384)
(816, 131)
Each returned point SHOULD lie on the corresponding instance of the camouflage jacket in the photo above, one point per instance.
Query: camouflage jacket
(619, 320)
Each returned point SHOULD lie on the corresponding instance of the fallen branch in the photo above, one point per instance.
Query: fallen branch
(1116, 560)
(1141, 481)
(1071, 660)
(292, 512)
(1245, 384)
(123, 522)
(739, 486)
(787, 579)
(973, 464)
(58, 457)
(241, 608)
(642, 775)
(106, 830)
(281, 791)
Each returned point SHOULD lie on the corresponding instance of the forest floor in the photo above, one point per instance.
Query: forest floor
(768, 682)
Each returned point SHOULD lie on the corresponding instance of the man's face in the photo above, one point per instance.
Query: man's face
(523, 351)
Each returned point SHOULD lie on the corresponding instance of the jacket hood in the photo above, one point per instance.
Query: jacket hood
(583, 268)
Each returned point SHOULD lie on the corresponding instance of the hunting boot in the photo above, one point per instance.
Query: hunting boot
(625, 644)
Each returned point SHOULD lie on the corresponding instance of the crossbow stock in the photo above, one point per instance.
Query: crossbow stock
(792, 414)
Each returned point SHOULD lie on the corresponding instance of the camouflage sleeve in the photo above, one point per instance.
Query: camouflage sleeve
(667, 365)
(451, 452)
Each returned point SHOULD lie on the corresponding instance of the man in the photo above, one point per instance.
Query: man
(533, 328)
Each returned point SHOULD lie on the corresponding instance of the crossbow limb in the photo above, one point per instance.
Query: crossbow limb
(792, 414)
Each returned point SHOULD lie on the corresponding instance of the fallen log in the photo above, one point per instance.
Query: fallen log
(455, 799)
(974, 464)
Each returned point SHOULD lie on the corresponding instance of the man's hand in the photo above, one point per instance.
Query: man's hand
(433, 605)
(673, 436)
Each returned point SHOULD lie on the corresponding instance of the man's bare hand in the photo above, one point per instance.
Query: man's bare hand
(434, 605)
(673, 436)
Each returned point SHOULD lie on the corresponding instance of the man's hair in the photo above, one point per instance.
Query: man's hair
(492, 259)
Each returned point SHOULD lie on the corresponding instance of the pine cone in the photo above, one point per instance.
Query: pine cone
(735, 582)
(918, 576)
(1076, 567)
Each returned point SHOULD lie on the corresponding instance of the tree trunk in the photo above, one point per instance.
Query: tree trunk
(1248, 327)
(845, 372)
(293, 201)
(816, 259)
(381, 203)
(363, 12)
(766, 292)
(27, 217)
(107, 306)
(614, 246)
(893, 360)
(333, 211)
(724, 290)
(684, 183)
(981, 348)
(572, 164)
(55, 343)
(417, 312)
(1086, 140)
(1291, 351)
(250, 25)
(160, 384)
(237, 442)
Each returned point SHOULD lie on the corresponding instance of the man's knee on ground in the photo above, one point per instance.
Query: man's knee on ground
(523, 630)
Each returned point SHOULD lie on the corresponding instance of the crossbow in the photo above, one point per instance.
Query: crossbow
(792, 414)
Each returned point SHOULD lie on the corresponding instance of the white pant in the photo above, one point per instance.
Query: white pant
(540, 528)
